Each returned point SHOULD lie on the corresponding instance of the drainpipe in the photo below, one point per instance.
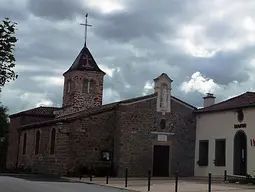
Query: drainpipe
(17, 158)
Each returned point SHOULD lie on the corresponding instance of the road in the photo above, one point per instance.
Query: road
(39, 184)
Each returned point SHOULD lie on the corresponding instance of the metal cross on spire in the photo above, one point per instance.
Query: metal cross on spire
(86, 26)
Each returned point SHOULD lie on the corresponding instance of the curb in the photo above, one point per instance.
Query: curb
(103, 185)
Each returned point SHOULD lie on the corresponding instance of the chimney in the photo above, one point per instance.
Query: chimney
(209, 100)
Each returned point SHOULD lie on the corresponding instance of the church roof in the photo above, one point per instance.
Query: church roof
(241, 101)
(84, 62)
(99, 109)
(38, 111)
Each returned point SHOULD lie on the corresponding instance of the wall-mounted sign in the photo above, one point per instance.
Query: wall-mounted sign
(106, 155)
(252, 142)
(240, 115)
(238, 126)
(162, 137)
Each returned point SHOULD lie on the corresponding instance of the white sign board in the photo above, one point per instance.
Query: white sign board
(162, 137)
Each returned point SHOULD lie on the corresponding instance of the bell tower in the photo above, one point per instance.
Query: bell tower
(83, 81)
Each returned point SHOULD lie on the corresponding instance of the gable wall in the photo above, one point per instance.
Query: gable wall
(135, 124)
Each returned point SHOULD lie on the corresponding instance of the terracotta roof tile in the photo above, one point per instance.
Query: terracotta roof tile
(241, 101)
(95, 110)
(39, 111)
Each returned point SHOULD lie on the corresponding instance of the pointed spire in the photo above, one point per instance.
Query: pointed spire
(85, 62)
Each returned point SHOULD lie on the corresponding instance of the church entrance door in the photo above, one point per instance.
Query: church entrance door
(240, 153)
(161, 161)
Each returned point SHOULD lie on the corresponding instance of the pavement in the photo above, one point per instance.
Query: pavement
(39, 183)
(35, 183)
(168, 185)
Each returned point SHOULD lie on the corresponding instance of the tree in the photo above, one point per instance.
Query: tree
(4, 125)
(7, 58)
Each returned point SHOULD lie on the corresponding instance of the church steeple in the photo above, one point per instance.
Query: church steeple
(83, 82)
(84, 62)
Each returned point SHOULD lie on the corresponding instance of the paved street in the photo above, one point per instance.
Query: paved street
(37, 184)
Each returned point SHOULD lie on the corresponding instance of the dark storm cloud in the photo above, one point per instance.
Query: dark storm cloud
(144, 19)
(132, 40)
(57, 9)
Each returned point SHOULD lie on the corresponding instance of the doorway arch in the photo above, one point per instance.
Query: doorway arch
(240, 153)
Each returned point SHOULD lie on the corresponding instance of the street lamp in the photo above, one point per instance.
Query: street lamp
(2, 139)
(59, 124)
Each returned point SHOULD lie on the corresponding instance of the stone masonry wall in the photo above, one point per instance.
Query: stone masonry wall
(13, 143)
(44, 162)
(76, 97)
(134, 126)
(90, 136)
(15, 124)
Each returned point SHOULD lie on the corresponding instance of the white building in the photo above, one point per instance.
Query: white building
(225, 136)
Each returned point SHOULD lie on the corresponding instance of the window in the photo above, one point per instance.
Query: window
(37, 142)
(92, 86)
(85, 87)
(89, 86)
(203, 153)
(220, 152)
(52, 141)
(163, 124)
(68, 86)
(24, 144)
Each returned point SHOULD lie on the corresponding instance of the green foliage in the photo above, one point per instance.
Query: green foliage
(4, 125)
(7, 44)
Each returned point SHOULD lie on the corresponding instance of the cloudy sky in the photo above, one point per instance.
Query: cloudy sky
(204, 46)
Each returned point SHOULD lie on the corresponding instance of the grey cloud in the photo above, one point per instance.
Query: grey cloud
(145, 19)
(15, 13)
(142, 25)
(57, 9)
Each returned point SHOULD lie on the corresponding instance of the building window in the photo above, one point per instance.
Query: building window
(220, 152)
(89, 86)
(85, 88)
(68, 86)
(52, 141)
(37, 142)
(203, 153)
(24, 144)
(92, 86)
(163, 124)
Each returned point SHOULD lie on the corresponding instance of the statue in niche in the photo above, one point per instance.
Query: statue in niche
(164, 96)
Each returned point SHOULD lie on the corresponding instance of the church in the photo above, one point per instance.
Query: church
(154, 132)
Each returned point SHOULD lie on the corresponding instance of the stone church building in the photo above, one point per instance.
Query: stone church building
(155, 131)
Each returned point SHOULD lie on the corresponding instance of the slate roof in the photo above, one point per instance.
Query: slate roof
(85, 62)
(97, 110)
(241, 101)
(38, 111)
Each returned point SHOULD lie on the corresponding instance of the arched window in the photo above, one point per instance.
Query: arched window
(52, 141)
(68, 88)
(92, 86)
(85, 87)
(37, 142)
(163, 124)
(24, 144)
